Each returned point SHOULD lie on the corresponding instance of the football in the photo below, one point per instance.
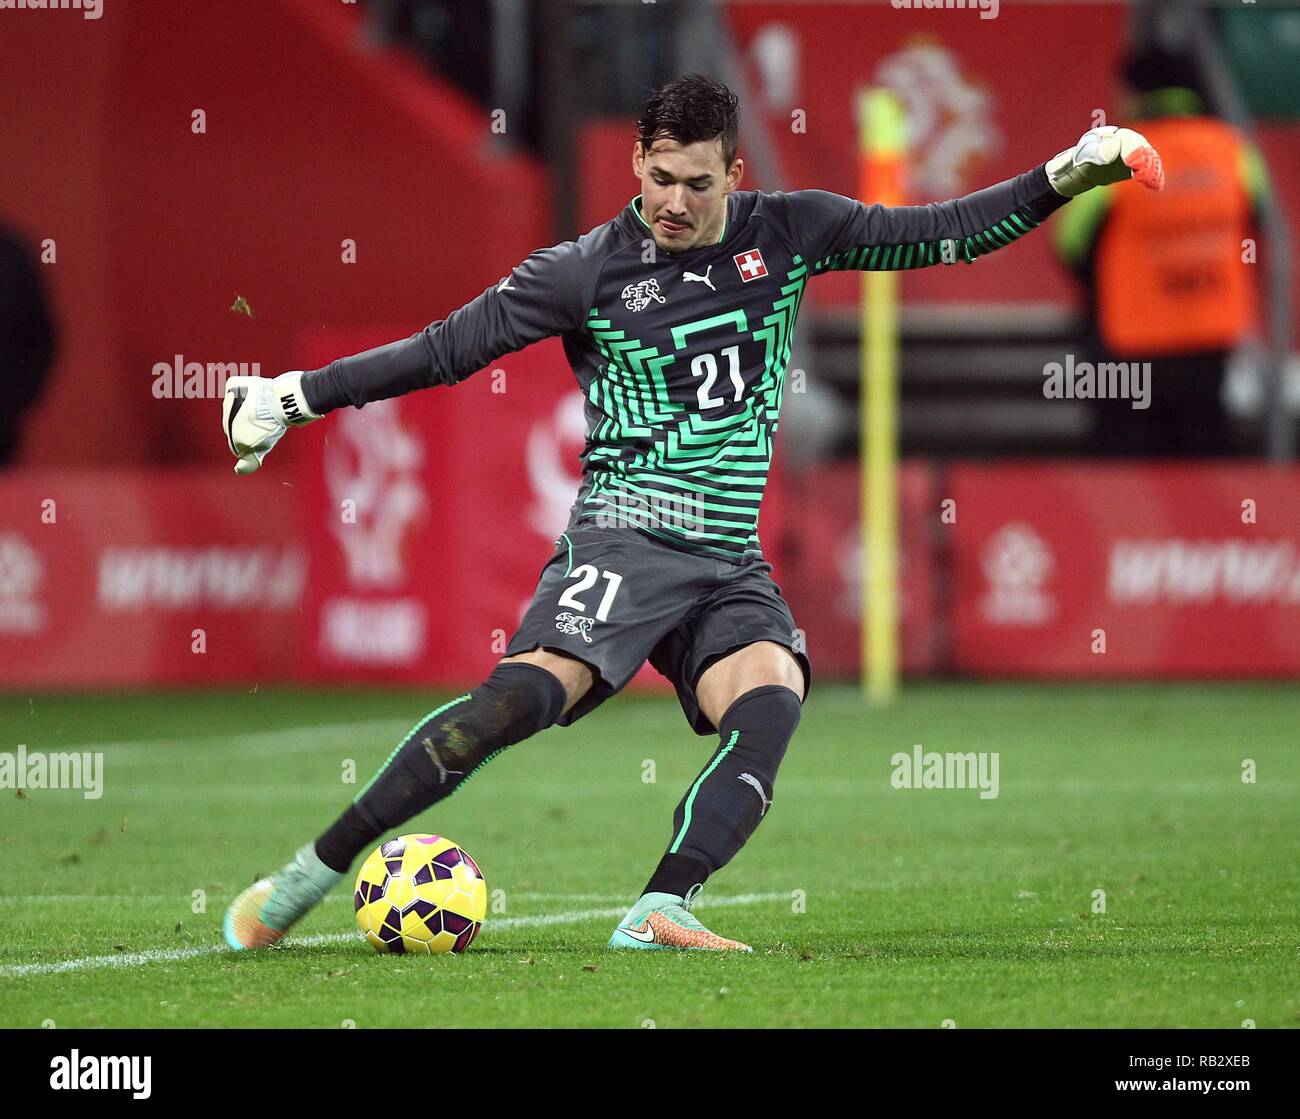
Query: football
(420, 893)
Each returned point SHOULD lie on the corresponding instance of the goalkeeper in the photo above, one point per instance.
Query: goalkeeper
(677, 317)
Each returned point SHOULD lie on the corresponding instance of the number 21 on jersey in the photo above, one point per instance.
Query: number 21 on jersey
(586, 576)
(706, 365)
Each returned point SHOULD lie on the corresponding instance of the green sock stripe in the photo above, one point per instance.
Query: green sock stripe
(690, 800)
(409, 736)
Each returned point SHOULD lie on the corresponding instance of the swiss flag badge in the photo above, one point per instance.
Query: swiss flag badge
(750, 265)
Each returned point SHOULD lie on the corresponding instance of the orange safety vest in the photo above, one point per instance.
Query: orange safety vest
(1169, 270)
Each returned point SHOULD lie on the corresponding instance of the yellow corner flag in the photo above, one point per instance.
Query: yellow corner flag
(882, 146)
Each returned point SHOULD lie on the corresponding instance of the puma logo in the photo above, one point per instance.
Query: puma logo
(702, 279)
(750, 779)
(505, 285)
(443, 771)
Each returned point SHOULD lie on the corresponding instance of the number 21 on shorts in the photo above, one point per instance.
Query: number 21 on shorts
(586, 576)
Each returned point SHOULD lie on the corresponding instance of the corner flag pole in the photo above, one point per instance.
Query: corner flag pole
(882, 144)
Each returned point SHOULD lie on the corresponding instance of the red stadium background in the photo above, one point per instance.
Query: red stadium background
(124, 525)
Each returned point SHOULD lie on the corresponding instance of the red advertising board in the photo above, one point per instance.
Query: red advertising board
(823, 567)
(191, 577)
(187, 576)
(1151, 570)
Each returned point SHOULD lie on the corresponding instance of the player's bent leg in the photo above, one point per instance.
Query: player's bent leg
(515, 702)
(754, 666)
(519, 699)
(754, 697)
(574, 675)
(755, 703)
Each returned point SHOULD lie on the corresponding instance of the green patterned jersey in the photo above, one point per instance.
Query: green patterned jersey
(681, 356)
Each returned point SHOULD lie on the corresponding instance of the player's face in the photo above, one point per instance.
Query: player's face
(684, 191)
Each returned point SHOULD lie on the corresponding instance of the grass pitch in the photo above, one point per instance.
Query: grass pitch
(867, 905)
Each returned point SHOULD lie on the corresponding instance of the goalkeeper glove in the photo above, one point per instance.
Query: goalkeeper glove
(257, 411)
(1105, 155)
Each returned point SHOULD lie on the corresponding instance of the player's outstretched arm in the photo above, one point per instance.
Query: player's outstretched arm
(548, 294)
(838, 233)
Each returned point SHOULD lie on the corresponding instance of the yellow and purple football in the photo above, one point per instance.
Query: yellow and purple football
(420, 893)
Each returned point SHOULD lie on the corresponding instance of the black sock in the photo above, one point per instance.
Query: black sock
(676, 874)
(731, 796)
(441, 753)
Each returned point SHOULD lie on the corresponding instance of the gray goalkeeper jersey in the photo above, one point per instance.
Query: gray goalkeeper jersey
(681, 356)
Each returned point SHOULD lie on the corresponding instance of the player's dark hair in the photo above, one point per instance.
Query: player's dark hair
(690, 109)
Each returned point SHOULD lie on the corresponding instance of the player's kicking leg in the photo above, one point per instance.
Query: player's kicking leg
(753, 696)
(525, 694)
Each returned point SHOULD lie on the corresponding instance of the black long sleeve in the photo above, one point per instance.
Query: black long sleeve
(838, 233)
(543, 296)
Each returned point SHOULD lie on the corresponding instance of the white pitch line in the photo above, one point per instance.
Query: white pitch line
(126, 959)
(160, 955)
(380, 729)
(79, 899)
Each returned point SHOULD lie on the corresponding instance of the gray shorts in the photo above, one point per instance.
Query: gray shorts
(615, 598)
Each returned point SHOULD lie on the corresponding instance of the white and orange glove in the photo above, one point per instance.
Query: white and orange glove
(257, 411)
(1102, 156)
